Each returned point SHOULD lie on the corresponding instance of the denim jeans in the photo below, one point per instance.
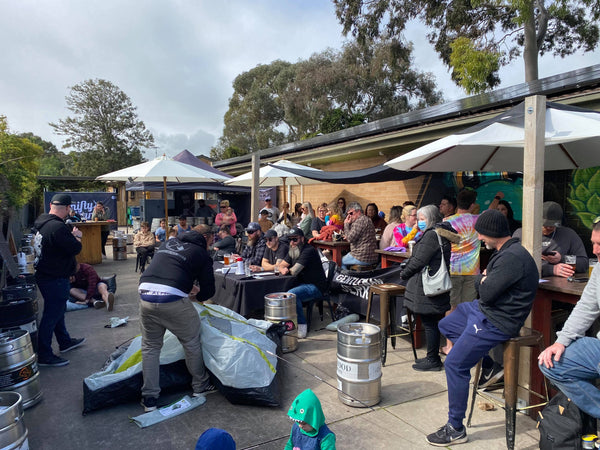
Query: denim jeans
(56, 294)
(349, 260)
(304, 293)
(473, 336)
(575, 372)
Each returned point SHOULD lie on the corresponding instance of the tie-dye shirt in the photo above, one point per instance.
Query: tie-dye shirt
(464, 259)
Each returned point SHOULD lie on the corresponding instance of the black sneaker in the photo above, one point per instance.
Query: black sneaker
(149, 403)
(74, 344)
(209, 387)
(53, 361)
(447, 435)
(490, 376)
(428, 365)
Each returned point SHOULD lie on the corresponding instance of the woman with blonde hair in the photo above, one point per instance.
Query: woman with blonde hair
(308, 214)
(407, 231)
(387, 238)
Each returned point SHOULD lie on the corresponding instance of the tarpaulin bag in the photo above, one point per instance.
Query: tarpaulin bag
(438, 283)
(561, 424)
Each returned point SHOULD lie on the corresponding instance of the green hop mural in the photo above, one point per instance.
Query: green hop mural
(583, 195)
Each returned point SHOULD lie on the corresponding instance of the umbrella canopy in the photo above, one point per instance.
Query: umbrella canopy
(163, 169)
(276, 174)
(571, 137)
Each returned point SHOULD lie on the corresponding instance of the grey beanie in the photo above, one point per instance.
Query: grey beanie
(492, 223)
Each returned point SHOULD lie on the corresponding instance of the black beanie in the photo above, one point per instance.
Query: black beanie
(492, 223)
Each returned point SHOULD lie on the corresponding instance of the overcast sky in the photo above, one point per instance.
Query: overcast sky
(176, 60)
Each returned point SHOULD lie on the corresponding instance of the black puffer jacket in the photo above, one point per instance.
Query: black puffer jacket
(427, 252)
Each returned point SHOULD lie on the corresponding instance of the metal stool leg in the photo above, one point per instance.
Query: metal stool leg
(474, 390)
(411, 331)
(383, 322)
(369, 303)
(392, 303)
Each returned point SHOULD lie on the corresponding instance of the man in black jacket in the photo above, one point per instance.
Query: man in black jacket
(56, 246)
(165, 290)
(506, 291)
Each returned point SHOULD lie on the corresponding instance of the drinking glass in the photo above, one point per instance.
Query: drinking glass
(571, 260)
(226, 259)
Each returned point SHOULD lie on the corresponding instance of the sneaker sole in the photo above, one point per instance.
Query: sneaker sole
(111, 301)
(461, 440)
(429, 369)
(492, 380)
(61, 364)
(99, 304)
(149, 408)
(73, 347)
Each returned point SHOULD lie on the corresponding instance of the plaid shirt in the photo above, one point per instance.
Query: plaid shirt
(86, 278)
(361, 235)
(256, 252)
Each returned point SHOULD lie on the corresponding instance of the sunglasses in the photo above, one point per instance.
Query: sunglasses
(222, 206)
(294, 239)
(350, 213)
(271, 239)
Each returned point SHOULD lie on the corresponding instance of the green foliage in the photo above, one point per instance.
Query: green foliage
(53, 162)
(583, 196)
(19, 164)
(332, 90)
(105, 129)
(474, 69)
(561, 27)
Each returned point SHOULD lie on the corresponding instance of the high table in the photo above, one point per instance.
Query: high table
(558, 289)
(389, 257)
(91, 241)
(336, 248)
(242, 295)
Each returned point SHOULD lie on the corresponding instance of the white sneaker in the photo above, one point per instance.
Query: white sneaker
(302, 330)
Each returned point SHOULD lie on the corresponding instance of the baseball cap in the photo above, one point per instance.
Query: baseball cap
(270, 234)
(61, 199)
(551, 214)
(295, 232)
(252, 227)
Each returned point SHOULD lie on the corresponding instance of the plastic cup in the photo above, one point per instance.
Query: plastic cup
(226, 259)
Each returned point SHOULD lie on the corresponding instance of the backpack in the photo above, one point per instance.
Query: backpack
(561, 424)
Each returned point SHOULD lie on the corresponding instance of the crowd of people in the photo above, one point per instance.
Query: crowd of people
(482, 310)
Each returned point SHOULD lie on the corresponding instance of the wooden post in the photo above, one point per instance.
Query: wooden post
(255, 202)
(533, 175)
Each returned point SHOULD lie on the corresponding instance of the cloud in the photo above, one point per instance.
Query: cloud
(198, 143)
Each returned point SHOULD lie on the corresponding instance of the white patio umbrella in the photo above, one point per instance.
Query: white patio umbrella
(515, 141)
(571, 138)
(276, 175)
(166, 170)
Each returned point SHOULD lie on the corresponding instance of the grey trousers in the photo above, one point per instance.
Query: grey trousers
(181, 319)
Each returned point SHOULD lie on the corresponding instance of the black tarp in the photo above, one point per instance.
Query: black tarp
(368, 175)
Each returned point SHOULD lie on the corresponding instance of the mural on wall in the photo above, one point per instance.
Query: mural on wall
(583, 195)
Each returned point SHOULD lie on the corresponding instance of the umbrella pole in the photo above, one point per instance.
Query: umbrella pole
(166, 202)
(284, 192)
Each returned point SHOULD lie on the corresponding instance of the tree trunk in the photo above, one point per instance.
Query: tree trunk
(530, 48)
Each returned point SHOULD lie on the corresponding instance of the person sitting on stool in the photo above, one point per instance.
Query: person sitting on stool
(144, 243)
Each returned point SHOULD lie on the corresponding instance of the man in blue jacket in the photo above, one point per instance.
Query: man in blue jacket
(506, 291)
(56, 245)
(165, 290)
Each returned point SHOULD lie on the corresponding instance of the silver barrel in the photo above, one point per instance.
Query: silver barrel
(18, 367)
(280, 307)
(359, 364)
(13, 432)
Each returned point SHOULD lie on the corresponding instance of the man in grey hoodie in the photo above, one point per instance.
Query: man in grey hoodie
(572, 362)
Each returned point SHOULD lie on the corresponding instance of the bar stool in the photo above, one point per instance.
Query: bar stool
(527, 338)
(387, 315)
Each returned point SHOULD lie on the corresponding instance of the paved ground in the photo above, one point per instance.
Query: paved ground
(412, 405)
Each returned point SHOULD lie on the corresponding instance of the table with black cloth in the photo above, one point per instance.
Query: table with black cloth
(245, 296)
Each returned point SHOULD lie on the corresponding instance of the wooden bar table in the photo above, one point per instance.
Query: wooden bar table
(552, 289)
(389, 257)
(91, 241)
(336, 248)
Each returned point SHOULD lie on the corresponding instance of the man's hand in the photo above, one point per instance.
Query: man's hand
(284, 270)
(76, 232)
(555, 350)
(563, 270)
(254, 268)
(552, 259)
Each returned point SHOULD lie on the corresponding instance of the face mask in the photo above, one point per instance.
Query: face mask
(421, 224)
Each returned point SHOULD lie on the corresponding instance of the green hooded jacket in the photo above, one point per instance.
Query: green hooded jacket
(307, 408)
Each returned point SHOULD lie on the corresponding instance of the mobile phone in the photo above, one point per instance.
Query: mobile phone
(548, 253)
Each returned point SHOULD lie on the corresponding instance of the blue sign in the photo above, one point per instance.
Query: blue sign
(84, 202)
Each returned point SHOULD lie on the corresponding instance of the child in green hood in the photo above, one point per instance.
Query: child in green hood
(309, 430)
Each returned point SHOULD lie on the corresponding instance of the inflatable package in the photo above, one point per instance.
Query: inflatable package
(239, 353)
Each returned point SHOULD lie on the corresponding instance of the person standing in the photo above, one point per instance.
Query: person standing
(506, 290)
(182, 226)
(447, 206)
(56, 246)
(165, 290)
(272, 210)
(102, 214)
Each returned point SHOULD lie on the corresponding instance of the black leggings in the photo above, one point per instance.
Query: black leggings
(432, 334)
(104, 238)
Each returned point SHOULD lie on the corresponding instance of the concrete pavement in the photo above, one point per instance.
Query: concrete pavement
(413, 404)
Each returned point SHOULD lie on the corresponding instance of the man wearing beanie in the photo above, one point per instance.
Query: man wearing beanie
(558, 241)
(506, 291)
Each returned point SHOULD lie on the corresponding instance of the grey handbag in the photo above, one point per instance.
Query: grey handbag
(438, 283)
